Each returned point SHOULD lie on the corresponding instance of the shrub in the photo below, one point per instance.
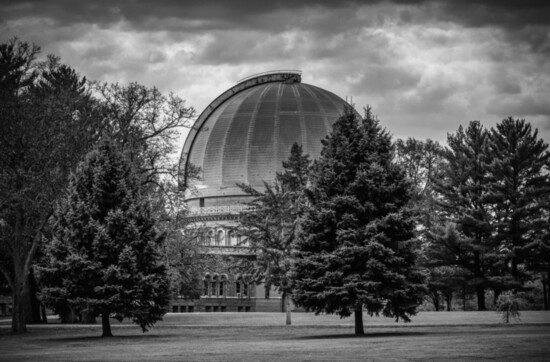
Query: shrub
(508, 305)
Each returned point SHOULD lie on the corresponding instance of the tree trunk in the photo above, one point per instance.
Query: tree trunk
(22, 260)
(359, 330)
(106, 324)
(480, 288)
(19, 314)
(287, 309)
(43, 315)
(435, 300)
(480, 291)
(449, 301)
(33, 304)
(546, 290)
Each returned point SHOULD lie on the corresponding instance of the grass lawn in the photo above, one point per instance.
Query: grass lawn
(264, 337)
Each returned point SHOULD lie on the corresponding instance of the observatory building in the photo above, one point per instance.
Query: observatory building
(242, 137)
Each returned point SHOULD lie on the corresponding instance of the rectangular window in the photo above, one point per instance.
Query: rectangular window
(174, 309)
(205, 291)
(207, 308)
(223, 308)
(240, 309)
(213, 285)
(245, 289)
(238, 288)
(201, 202)
(191, 309)
(182, 309)
(247, 309)
(220, 293)
(215, 308)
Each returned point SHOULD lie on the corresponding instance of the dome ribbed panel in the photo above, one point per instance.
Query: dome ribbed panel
(213, 157)
(261, 162)
(235, 155)
(289, 132)
(333, 105)
(309, 104)
(316, 131)
(196, 157)
(289, 101)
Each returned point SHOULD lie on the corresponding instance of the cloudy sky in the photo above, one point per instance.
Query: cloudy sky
(424, 66)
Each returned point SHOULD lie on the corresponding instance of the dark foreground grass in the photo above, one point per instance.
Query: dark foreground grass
(222, 337)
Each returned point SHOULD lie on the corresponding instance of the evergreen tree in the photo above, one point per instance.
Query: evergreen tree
(44, 131)
(423, 162)
(520, 192)
(271, 224)
(358, 248)
(463, 200)
(104, 257)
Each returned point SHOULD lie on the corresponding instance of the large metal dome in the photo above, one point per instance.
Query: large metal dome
(244, 135)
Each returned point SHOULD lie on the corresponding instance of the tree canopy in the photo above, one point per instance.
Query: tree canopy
(358, 248)
(104, 257)
(47, 124)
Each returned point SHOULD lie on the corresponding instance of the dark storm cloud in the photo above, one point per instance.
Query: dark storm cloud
(147, 14)
(418, 62)
(152, 14)
(510, 14)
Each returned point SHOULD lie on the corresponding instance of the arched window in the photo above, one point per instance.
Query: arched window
(211, 237)
(245, 289)
(238, 282)
(232, 239)
(221, 285)
(219, 238)
(214, 285)
(203, 238)
(206, 284)
(242, 286)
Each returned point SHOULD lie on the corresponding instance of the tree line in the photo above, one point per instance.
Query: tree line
(483, 206)
(378, 226)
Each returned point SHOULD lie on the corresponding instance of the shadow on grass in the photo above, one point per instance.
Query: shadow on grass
(367, 335)
(116, 337)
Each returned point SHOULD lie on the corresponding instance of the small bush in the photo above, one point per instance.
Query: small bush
(508, 306)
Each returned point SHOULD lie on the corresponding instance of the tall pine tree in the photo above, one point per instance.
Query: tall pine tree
(104, 257)
(463, 200)
(358, 248)
(520, 191)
